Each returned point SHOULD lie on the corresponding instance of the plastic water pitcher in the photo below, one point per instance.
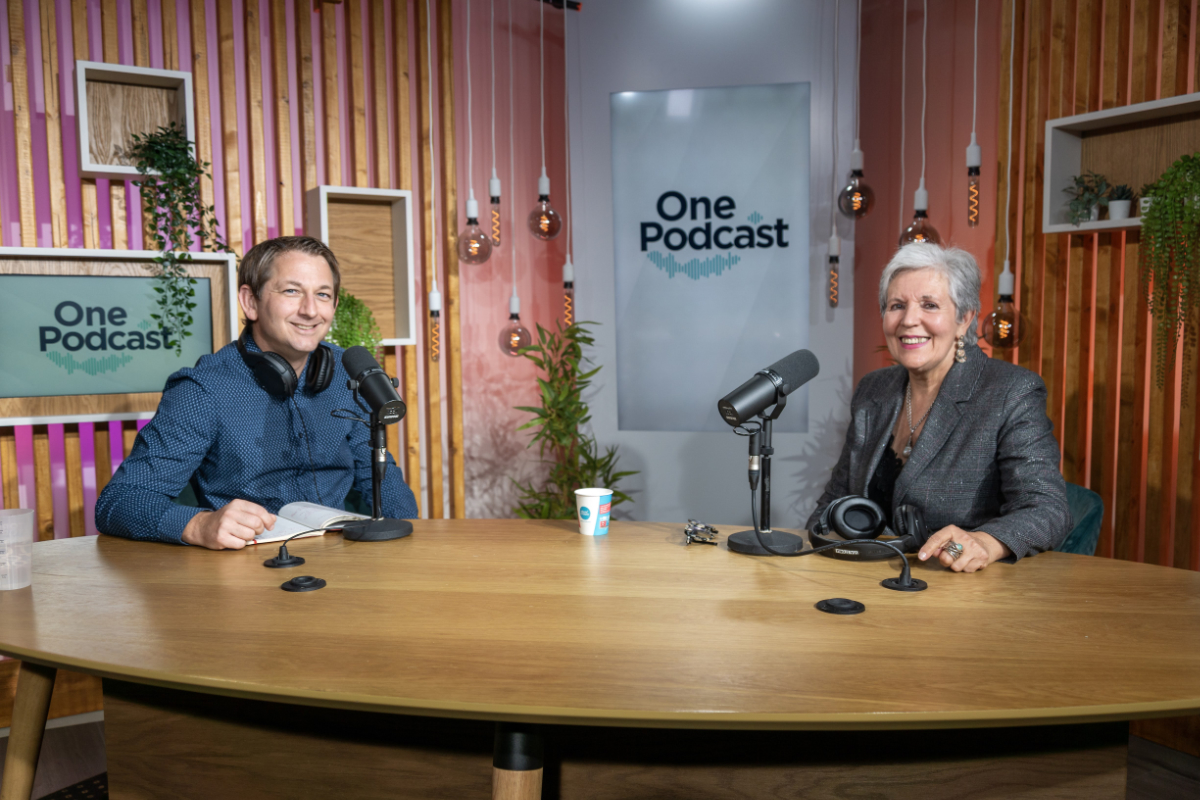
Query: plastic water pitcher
(16, 548)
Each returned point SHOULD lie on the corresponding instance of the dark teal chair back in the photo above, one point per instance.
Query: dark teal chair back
(1087, 510)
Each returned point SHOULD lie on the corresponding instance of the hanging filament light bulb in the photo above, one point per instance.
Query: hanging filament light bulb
(568, 292)
(1003, 328)
(974, 160)
(544, 221)
(857, 198)
(920, 229)
(835, 253)
(494, 189)
(474, 246)
(494, 183)
(514, 336)
(435, 323)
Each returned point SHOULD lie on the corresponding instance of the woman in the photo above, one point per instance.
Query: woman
(963, 437)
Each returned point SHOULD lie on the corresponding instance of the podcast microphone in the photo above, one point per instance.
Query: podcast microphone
(374, 385)
(768, 387)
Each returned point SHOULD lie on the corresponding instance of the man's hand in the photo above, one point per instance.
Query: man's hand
(230, 527)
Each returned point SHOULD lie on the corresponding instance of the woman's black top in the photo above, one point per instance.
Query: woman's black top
(882, 487)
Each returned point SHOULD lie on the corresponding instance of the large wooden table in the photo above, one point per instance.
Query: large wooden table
(498, 621)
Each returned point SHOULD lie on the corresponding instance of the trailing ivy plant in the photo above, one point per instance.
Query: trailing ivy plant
(171, 195)
(354, 324)
(1170, 257)
(574, 456)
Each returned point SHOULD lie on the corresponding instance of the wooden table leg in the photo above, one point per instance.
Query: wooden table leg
(516, 762)
(35, 684)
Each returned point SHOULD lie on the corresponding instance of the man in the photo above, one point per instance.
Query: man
(249, 426)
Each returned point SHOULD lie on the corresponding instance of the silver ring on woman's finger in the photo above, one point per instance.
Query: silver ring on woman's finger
(954, 549)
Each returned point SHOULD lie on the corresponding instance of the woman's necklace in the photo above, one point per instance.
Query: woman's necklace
(912, 429)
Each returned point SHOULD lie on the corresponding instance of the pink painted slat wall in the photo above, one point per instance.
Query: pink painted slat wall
(58, 481)
(26, 471)
(87, 462)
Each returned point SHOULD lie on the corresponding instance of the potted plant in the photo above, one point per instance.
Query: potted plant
(575, 459)
(1170, 257)
(1145, 198)
(354, 324)
(1120, 201)
(171, 196)
(1089, 192)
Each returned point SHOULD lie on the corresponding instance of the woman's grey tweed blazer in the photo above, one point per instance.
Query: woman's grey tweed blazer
(987, 459)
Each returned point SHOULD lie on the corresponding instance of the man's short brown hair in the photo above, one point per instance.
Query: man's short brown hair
(259, 264)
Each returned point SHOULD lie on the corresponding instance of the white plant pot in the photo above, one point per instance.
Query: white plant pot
(1095, 214)
(1119, 209)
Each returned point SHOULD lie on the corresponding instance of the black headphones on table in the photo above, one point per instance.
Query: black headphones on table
(275, 375)
(854, 522)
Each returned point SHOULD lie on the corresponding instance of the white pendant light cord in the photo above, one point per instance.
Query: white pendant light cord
(432, 172)
(975, 73)
(567, 129)
(924, 84)
(1012, 48)
(492, 49)
(470, 123)
(903, 101)
(833, 189)
(512, 231)
(857, 75)
(542, 77)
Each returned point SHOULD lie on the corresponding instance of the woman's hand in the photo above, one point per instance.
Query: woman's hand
(978, 549)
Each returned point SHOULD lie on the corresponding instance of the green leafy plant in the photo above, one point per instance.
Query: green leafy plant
(1120, 192)
(1087, 191)
(1170, 257)
(171, 195)
(354, 324)
(574, 456)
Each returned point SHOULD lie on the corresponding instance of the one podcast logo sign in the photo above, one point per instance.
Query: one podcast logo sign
(702, 224)
(711, 240)
(73, 335)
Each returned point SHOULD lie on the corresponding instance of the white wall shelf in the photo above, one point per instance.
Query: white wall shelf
(1065, 151)
(370, 232)
(114, 102)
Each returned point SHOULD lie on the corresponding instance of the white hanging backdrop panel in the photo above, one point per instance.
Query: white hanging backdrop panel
(710, 208)
(666, 47)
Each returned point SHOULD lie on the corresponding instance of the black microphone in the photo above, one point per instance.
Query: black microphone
(374, 385)
(768, 387)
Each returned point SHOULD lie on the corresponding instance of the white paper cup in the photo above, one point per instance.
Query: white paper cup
(593, 508)
(16, 548)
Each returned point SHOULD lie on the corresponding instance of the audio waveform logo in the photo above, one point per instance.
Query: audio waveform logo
(694, 268)
(90, 366)
(755, 218)
(145, 325)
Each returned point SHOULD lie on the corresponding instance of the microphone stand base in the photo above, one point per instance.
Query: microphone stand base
(747, 543)
(915, 585)
(376, 530)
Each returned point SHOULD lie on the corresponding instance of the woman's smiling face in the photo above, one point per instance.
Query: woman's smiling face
(919, 321)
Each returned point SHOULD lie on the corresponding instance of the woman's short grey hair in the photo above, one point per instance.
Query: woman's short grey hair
(959, 267)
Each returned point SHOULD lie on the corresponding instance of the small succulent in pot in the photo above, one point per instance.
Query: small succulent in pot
(1120, 200)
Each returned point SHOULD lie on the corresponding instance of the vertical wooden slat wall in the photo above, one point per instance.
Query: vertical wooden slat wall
(1090, 335)
(361, 48)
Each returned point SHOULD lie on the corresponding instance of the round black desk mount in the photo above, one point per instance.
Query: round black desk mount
(840, 605)
(901, 585)
(284, 559)
(303, 583)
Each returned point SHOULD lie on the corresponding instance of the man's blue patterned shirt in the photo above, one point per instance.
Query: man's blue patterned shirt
(218, 429)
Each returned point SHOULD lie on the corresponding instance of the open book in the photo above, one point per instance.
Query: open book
(302, 516)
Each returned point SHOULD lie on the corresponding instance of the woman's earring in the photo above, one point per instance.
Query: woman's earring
(960, 354)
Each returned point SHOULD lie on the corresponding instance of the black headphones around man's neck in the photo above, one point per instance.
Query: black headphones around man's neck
(275, 375)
